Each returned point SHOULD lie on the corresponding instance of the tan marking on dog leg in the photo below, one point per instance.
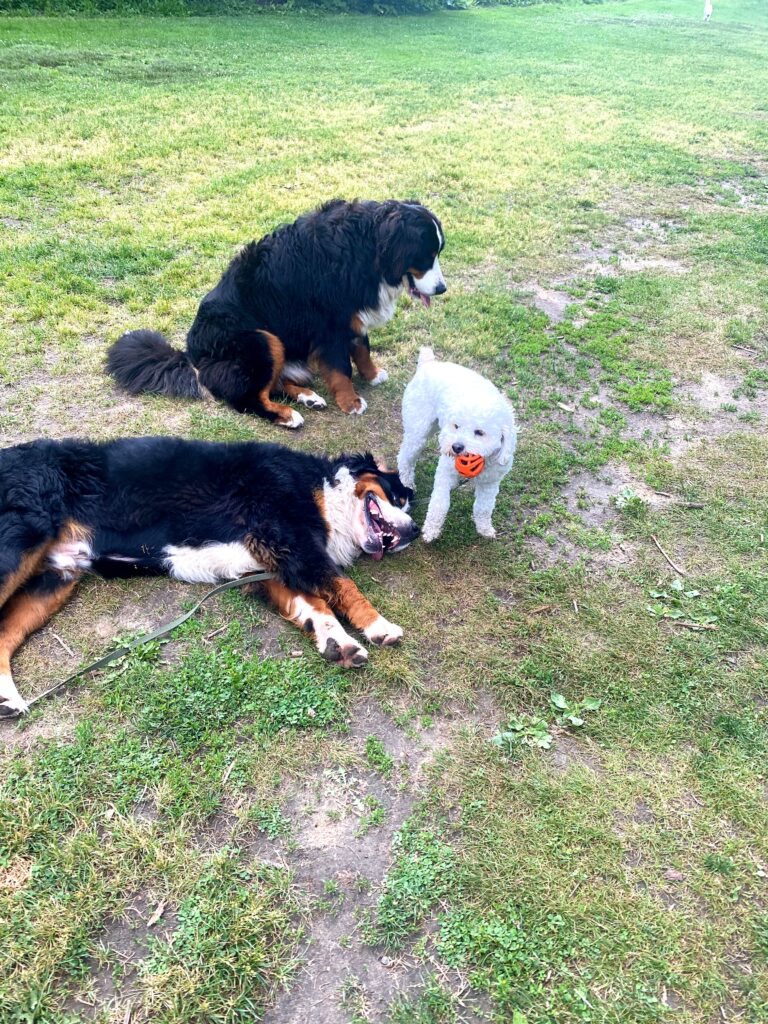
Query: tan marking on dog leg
(355, 606)
(284, 415)
(366, 367)
(314, 615)
(303, 395)
(22, 615)
(28, 566)
(343, 391)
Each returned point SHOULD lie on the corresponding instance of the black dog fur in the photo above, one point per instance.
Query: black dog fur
(294, 297)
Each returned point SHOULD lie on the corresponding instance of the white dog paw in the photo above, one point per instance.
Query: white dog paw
(380, 377)
(430, 532)
(296, 420)
(359, 407)
(11, 701)
(382, 632)
(312, 400)
(69, 558)
(486, 530)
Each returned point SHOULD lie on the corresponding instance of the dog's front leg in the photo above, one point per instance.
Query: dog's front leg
(485, 502)
(355, 607)
(314, 615)
(446, 479)
(361, 357)
(338, 380)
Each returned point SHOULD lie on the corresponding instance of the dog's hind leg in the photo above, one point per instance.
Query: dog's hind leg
(303, 395)
(417, 427)
(28, 609)
(21, 566)
(247, 385)
(314, 615)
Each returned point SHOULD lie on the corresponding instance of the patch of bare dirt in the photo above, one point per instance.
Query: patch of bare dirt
(551, 301)
(113, 979)
(570, 751)
(547, 553)
(341, 857)
(592, 499)
(15, 875)
(57, 723)
(749, 193)
(714, 391)
(634, 245)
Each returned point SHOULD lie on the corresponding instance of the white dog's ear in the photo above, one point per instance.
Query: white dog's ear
(507, 449)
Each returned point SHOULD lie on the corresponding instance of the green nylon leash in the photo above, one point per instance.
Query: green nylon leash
(119, 652)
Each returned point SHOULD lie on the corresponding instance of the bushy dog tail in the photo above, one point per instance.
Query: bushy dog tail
(426, 355)
(145, 361)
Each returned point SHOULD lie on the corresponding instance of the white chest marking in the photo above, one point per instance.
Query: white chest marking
(388, 296)
(210, 563)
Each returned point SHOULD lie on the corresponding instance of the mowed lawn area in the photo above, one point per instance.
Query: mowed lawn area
(221, 828)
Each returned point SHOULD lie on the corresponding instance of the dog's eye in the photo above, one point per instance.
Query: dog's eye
(455, 426)
(479, 433)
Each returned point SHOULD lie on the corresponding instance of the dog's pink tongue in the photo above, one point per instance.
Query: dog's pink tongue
(377, 555)
(426, 299)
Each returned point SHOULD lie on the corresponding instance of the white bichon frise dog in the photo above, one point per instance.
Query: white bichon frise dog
(474, 418)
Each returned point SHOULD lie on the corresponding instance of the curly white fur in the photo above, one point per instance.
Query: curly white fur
(471, 415)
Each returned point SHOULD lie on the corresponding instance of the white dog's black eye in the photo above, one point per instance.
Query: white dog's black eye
(455, 426)
(479, 433)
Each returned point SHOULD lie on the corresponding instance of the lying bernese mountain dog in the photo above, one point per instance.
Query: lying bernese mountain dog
(304, 296)
(197, 511)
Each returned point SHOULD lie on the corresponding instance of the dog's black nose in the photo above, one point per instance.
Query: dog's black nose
(442, 287)
(457, 448)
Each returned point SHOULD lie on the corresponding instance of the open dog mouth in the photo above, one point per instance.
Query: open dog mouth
(382, 536)
(416, 294)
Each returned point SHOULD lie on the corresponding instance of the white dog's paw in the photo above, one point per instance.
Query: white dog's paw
(295, 420)
(359, 407)
(11, 701)
(486, 530)
(430, 532)
(380, 377)
(382, 632)
(69, 558)
(312, 400)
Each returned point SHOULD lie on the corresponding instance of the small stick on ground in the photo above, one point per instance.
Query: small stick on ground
(678, 570)
(66, 646)
(210, 636)
(540, 609)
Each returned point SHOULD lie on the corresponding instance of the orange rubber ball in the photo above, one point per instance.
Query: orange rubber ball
(468, 464)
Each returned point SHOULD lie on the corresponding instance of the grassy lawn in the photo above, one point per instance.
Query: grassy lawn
(222, 828)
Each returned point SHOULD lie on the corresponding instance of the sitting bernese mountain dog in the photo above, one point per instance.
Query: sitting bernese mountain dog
(304, 296)
(197, 511)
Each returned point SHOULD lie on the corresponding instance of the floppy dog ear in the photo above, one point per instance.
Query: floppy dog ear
(508, 442)
(391, 244)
